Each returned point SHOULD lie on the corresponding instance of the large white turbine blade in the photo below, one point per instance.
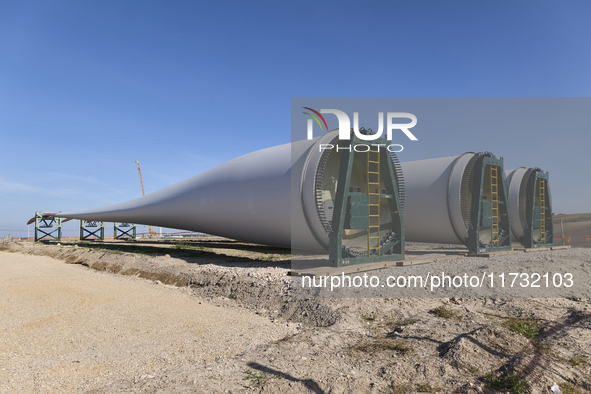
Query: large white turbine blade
(246, 198)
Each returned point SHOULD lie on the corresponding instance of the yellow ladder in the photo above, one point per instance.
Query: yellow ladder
(542, 199)
(373, 194)
(494, 192)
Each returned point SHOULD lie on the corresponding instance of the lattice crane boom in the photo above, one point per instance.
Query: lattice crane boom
(152, 234)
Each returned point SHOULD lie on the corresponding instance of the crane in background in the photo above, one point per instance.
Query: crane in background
(152, 234)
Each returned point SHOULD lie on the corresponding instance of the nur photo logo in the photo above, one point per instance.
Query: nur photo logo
(345, 128)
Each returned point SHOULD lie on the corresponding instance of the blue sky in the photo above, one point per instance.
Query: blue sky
(86, 88)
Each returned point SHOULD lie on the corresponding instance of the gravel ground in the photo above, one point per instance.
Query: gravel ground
(540, 274)
(447, 344)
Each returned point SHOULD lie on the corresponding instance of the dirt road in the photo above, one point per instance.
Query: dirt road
(68, 328)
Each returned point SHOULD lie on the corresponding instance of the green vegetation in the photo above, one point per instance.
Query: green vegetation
(510, 382)
(268, 257)
(570, 388)
(578, 360)
(543, 347)
(188, 247)
(232, 296)
(401, 388)
(493, 381)
(526, 327)
(260, 380)
(472, 370)
(182, 246)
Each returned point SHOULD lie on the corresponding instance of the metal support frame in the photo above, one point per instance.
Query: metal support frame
(124, 230)
(489, 210)
(42, 222)
(97, 233)
(358, 210)
(538, 212)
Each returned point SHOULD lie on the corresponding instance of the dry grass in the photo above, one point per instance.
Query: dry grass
(446, 313)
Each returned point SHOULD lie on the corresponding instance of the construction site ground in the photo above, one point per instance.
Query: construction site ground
(210, 314)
